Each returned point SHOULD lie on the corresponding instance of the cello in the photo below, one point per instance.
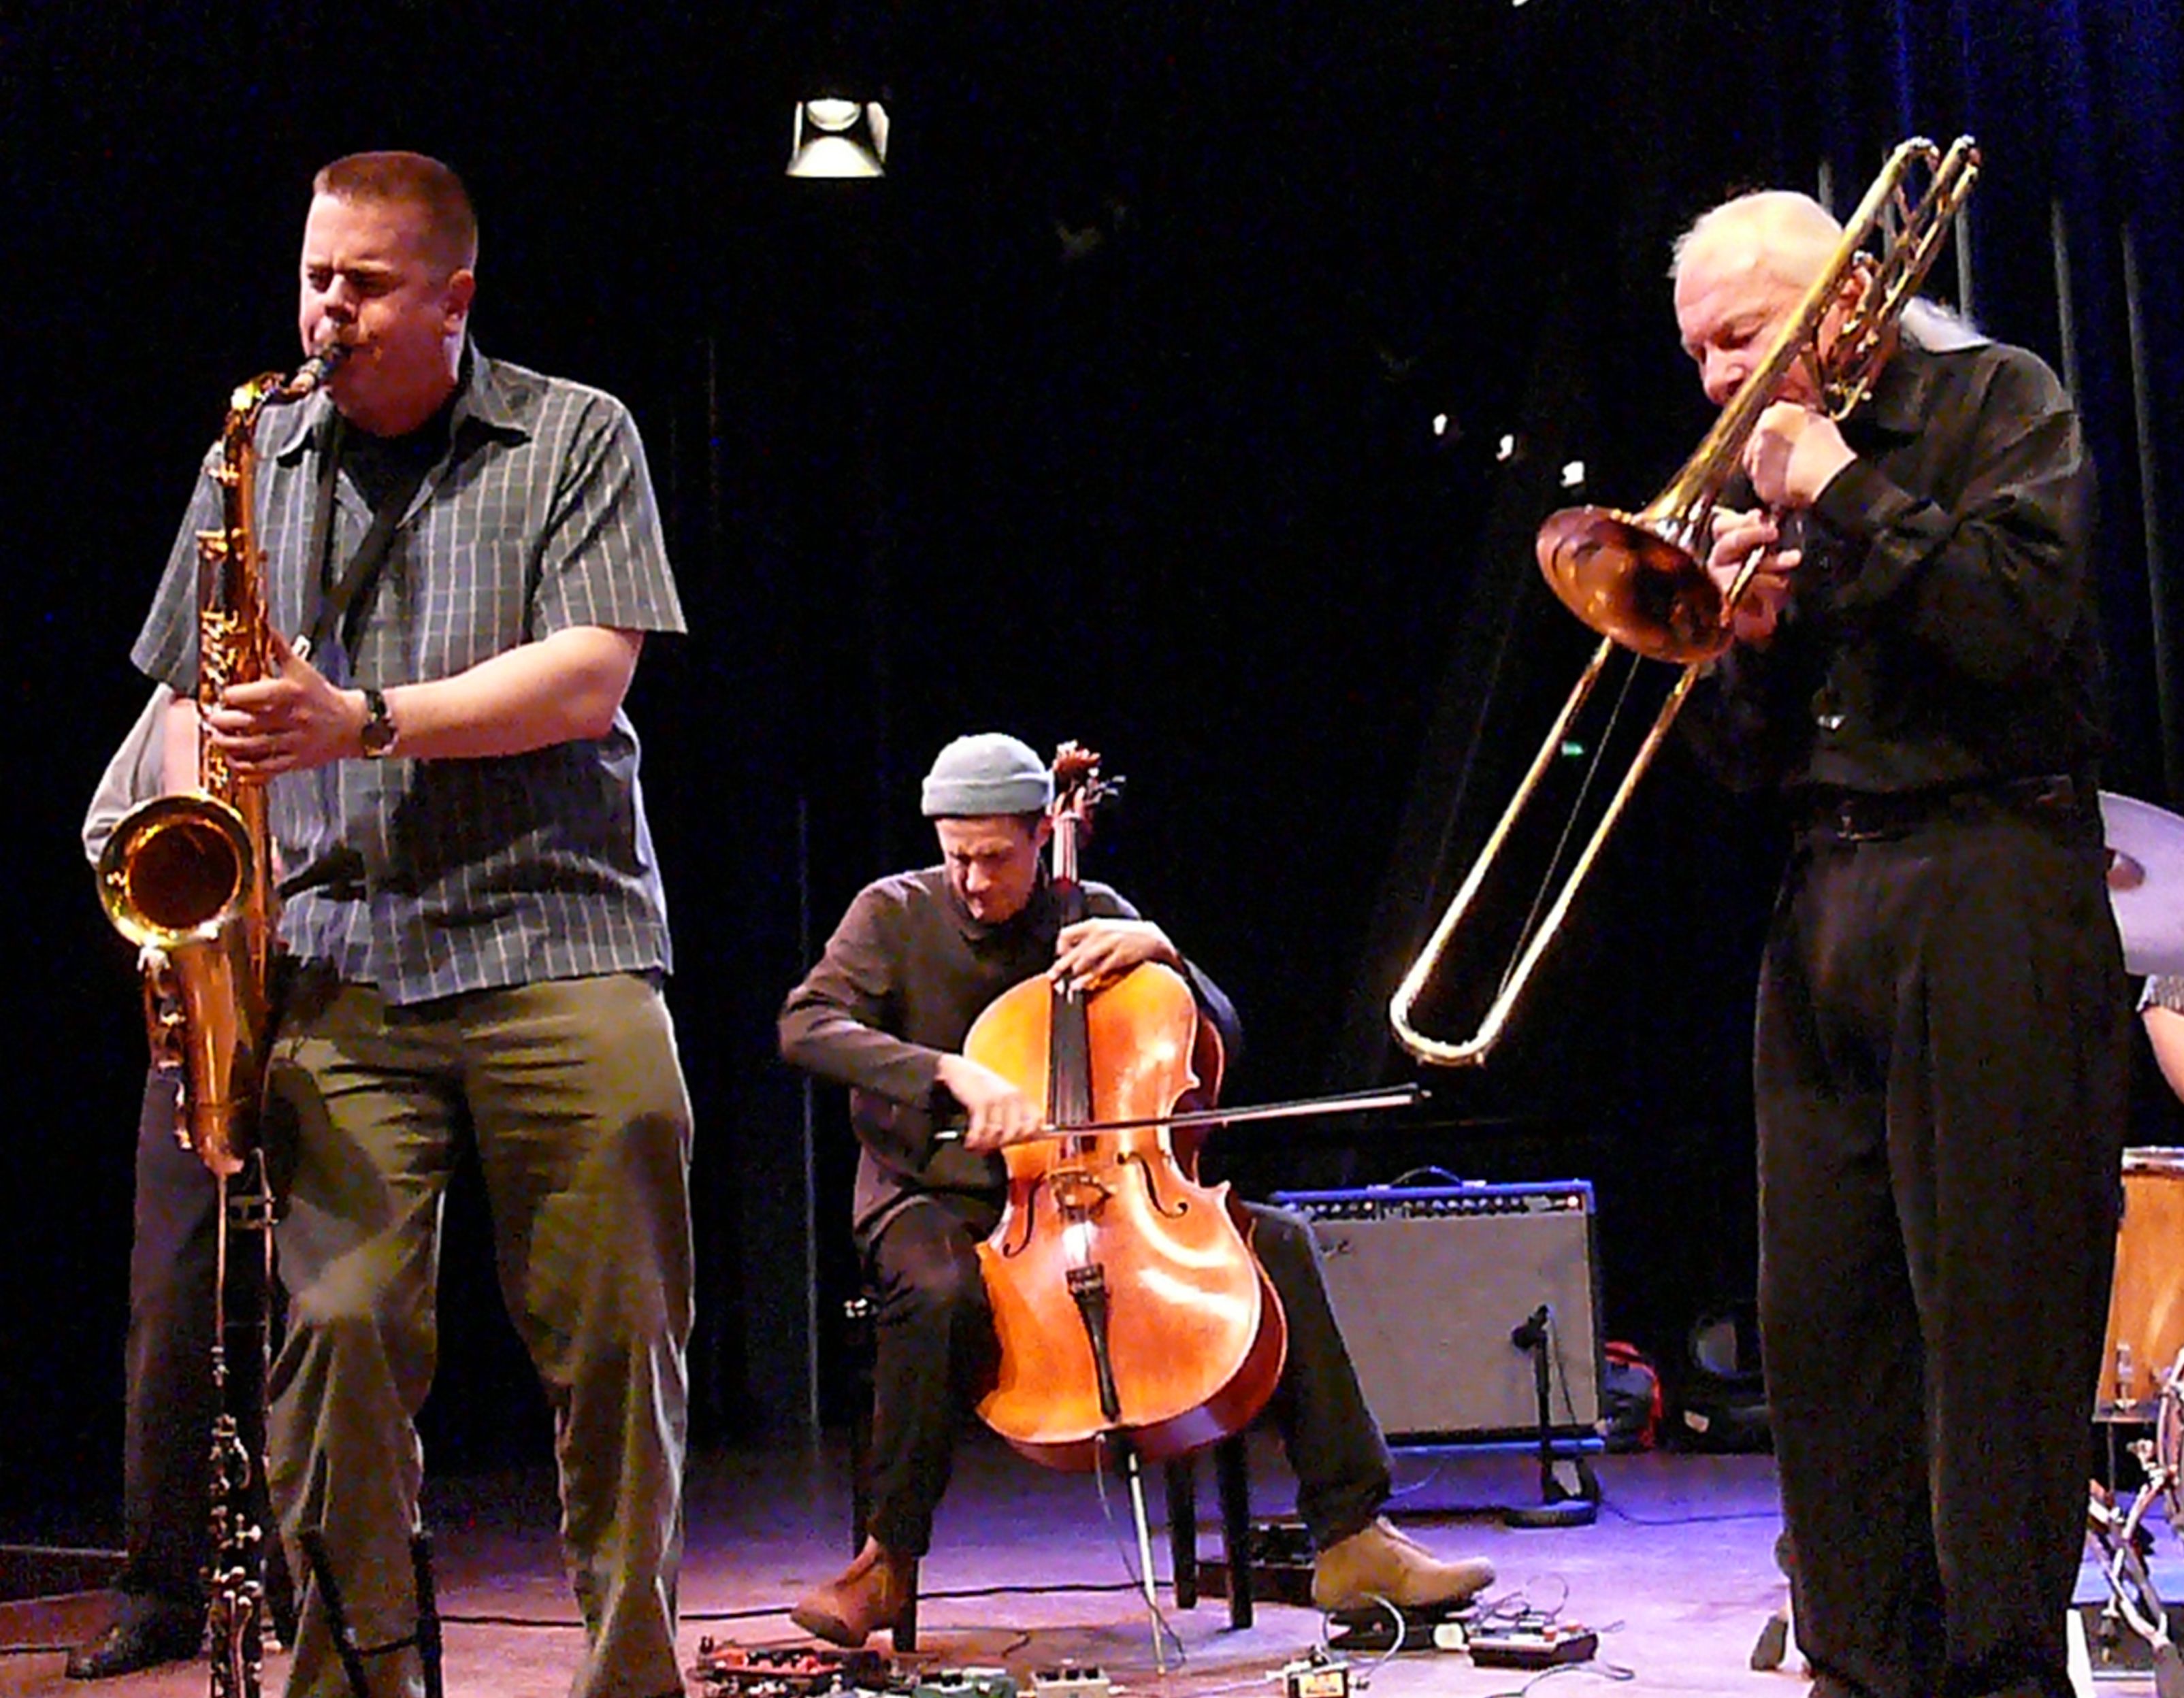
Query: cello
(1128, 1306)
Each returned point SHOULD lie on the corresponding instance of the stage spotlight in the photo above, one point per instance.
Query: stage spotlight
(834, 138)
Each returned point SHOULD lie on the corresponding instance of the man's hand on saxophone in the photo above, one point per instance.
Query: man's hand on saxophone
(564, 687)
(290, 720)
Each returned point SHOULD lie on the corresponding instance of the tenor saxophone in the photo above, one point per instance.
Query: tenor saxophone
(188, 879)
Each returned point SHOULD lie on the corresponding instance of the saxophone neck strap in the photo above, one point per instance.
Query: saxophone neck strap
(341, 604)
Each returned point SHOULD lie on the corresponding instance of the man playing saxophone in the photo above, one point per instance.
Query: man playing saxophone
(1940, 1056)
(473, 917)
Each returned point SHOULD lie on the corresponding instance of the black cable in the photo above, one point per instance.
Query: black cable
(1624, 1514)
(760, 1612)
(1410, 1174)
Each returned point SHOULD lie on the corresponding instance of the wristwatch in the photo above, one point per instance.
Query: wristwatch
(379, 733)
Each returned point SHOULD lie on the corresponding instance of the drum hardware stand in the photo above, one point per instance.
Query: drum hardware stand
(2132, 1600)
(426, 1638)
(2125, 1545)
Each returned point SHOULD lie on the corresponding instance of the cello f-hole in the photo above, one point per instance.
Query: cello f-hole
(1026, 1220)
(1182, 1205)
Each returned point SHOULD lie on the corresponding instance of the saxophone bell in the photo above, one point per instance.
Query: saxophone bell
(175, 879)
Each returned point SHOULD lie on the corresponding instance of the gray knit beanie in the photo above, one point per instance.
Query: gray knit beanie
(989, 772)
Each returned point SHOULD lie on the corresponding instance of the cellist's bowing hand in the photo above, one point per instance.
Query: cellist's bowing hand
(997, 1112)
(1093, 953)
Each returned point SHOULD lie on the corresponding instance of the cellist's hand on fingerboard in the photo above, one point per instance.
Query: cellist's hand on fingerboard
(1093, 952)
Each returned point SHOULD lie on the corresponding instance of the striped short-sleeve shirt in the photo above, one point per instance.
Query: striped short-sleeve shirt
(428, 877)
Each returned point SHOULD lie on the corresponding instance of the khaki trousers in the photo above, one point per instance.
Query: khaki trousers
(572, 1095)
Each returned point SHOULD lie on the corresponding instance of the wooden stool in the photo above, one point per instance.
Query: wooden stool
(1232, 1480)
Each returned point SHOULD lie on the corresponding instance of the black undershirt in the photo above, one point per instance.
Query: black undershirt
(378, 465)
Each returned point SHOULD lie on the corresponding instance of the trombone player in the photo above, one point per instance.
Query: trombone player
(1939, 1054)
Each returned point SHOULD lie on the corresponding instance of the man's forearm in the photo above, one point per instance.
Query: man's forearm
(563, 688)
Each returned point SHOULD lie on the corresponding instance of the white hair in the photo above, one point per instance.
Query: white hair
(1939, 328)
(1793, 237)
(1789, 234)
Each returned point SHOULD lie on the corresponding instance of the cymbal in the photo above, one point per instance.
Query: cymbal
(2146, 882)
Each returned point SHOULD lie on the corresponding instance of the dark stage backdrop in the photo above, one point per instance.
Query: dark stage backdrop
(1108, 415)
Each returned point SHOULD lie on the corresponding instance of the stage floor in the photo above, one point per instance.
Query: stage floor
(1030, 1570)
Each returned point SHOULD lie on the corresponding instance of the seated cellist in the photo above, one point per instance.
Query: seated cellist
(912, 964)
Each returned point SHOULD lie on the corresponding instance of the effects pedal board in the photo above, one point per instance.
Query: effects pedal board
(1376, 1630)
(729, 1670)
(965, 1682)
(1317, 1676)
(1069, 1681)
(1544, 1644)
(1281, 1555)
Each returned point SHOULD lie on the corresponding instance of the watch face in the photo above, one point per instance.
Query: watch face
(377, 736)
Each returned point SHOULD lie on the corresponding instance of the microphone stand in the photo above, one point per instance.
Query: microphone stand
(1558, 1506)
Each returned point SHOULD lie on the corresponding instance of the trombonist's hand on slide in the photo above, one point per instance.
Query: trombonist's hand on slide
(1794, 453)
(1736, 536)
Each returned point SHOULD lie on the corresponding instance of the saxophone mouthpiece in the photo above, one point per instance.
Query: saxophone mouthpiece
(314, 371)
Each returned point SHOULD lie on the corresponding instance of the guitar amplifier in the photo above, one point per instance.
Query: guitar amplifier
(1439, 1290)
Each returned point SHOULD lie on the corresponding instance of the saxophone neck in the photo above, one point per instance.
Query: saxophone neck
(271, 389)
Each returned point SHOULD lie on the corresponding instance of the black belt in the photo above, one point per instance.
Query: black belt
(1870, 816)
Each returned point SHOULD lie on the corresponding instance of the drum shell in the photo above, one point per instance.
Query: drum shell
(2145, 1332)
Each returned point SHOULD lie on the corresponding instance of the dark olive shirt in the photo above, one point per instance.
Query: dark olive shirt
(1943, 630)
(903, 978)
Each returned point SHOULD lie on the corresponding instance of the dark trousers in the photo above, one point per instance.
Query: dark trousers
(167, 1428)
(1941, 1077)
(936, 1354)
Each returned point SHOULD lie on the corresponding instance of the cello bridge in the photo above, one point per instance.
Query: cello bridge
(1077, 1194)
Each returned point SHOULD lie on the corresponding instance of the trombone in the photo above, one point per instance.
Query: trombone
(1640, 579)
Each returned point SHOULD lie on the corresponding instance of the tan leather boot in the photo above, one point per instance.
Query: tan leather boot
(869, 1594)
(1379, 1562)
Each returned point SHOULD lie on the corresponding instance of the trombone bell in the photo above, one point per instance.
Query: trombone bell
(1632, 583)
